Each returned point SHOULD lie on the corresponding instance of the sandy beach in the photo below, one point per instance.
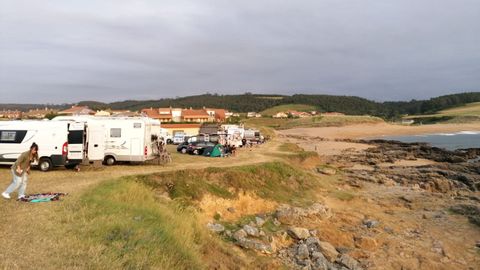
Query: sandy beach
(376, 130)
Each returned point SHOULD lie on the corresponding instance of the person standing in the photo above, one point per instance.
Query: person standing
(20, 172)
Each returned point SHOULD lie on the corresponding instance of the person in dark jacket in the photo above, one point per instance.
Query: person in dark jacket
(20, 172)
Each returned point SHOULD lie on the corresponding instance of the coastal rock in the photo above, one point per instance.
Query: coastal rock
(349, 262)
(255, 245)
(240, 234)
(289, 215)
(370, 223)
(328, 251)
(469, 210)
(259, 221)
(215, 227)
(251, 231)
(302, 252)
(298, 233)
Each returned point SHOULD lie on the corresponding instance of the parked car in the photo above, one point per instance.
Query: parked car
(182, 148)
(196, 148)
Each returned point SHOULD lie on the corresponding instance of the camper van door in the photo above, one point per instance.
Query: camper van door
(96, 141)
(76, 141)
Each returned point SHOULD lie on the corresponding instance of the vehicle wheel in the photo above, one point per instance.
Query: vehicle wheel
(45, 164)
(195, 152)
(184, 150)
(169, 141)
(110, 160)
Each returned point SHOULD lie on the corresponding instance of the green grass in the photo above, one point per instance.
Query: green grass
(133, 231)
(288, 107)
(275, 181)
(343, 195)
(317, 121)
(471, 109)
(125, 224)
(462, 114)
(121, 225)
(290, 147)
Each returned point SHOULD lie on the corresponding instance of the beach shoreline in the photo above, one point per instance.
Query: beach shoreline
(368, 131)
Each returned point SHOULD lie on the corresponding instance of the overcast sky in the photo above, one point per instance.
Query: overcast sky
(67, 50)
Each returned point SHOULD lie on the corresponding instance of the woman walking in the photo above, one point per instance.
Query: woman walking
(20, 172)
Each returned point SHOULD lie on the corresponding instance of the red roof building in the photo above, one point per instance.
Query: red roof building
(190, 115)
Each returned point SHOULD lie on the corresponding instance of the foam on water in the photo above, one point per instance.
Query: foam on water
(450, 141)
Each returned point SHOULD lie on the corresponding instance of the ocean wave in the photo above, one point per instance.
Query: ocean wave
(467, 132)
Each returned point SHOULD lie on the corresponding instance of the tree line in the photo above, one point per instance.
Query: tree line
(350, 105)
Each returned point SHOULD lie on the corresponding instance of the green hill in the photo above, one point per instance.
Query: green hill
(466, 113)
(288, 107)
(471, 109)
(247, 102)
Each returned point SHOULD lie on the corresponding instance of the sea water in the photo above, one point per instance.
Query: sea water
(449, 141)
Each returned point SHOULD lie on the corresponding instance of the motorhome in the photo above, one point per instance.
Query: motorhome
(166, 136)
(252, 135)
(16, 137)
(235, 134)
(132, 139)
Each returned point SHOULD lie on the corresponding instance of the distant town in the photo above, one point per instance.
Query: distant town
(169, 115)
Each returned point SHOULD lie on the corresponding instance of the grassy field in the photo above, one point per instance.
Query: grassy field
(472, 109)
(463, 114)
(288, 107)
(317, 121)
(146, 216)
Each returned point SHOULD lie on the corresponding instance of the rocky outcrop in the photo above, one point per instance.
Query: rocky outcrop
(289, 215)
(298, 233)
(468, 210)
(313, 254)
(456, 170)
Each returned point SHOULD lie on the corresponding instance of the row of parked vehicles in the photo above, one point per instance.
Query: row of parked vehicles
(71, 140)
(196, 145)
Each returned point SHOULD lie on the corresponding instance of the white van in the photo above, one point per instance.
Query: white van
(235, 134)
(16, 137)
(179, 137)
(166, 136)
(124, 138)
(86, 142)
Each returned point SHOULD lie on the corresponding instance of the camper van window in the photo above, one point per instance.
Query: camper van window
(8, 136)
(12, 136)
(137, 125)
(115, 133)
(75, 137)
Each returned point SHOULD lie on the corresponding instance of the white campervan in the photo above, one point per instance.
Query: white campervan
(235, 134)
(16, 137)
(124, 138)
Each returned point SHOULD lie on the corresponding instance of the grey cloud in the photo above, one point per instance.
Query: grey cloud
(115, 50)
